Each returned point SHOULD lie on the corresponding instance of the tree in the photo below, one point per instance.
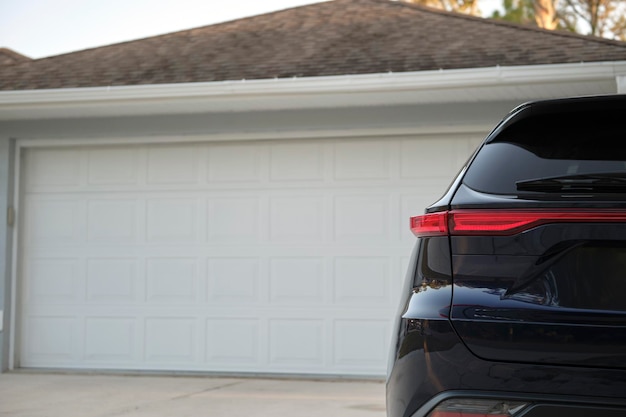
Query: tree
(517, 11)
(546, 15)
(541, 13)
(605, 18)
(460, 6)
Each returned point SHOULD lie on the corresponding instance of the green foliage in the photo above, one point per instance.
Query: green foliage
(606, 18)
(460, 6)
(516, 11)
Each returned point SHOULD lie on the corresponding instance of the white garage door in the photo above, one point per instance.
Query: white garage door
(237, 257)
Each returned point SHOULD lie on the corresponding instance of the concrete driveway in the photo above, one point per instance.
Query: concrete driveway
(31, 394)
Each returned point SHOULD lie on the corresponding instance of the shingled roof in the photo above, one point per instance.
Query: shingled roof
(323, 39)
(10, 57)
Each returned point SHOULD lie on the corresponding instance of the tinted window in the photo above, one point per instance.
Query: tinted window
(549, 146)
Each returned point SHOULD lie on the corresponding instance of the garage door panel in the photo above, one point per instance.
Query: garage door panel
(113, 166)
(113, 281)
(54, 221)
(112, 220)
(234, 219)
(297, 343)
(298, 218)
(267, 256)
(235, 163)
(173, 165)
(171, 340)
(172, 281)
(361, 344)
(362, 281)
(297, 162)
(234, 281)
(174, 220)
(52, 281)
(362, 161)
(233, 342)
(51, 339)
(53, 169)
(298, 281)
(362, 218)
(110, 340)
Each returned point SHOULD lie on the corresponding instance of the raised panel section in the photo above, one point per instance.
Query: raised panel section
(111, 280)
(362, 217)
(362, 281)
(171, 280)
(233, 280)
(297, 218)
(297, 281)
(53, 167)
(111, 221)
(361, 344)
(109, 339)
(428, 158)
(53, 221)
(234, 341)
(360, 160)
(170, 340)
(52, 281)
(50, 339)
(296, 342)
(296, 162)
(113, 166)
(233, 163)
(172, 165)
(172, 220)
(234, 219)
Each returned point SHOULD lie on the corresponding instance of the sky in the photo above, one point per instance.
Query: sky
(41, 28)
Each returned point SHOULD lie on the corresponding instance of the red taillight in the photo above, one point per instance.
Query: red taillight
(503, 222)
(433, 224)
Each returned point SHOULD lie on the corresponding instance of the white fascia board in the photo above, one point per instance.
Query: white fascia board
(477, 84)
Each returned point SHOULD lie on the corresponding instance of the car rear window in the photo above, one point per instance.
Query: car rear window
(550, 145)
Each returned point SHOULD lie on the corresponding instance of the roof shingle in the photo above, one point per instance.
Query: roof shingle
(323, 39)
(10, 57)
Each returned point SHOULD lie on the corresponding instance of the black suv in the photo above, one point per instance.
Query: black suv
(515, 298)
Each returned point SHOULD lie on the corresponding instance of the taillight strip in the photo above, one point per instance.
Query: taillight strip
(504, 222)
(432, 224)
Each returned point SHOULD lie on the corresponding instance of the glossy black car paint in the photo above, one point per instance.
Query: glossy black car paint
(477, 319)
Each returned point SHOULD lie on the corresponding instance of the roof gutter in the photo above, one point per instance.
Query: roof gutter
(462, 85)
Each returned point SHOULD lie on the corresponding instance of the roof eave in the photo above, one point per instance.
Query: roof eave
(455, 86)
